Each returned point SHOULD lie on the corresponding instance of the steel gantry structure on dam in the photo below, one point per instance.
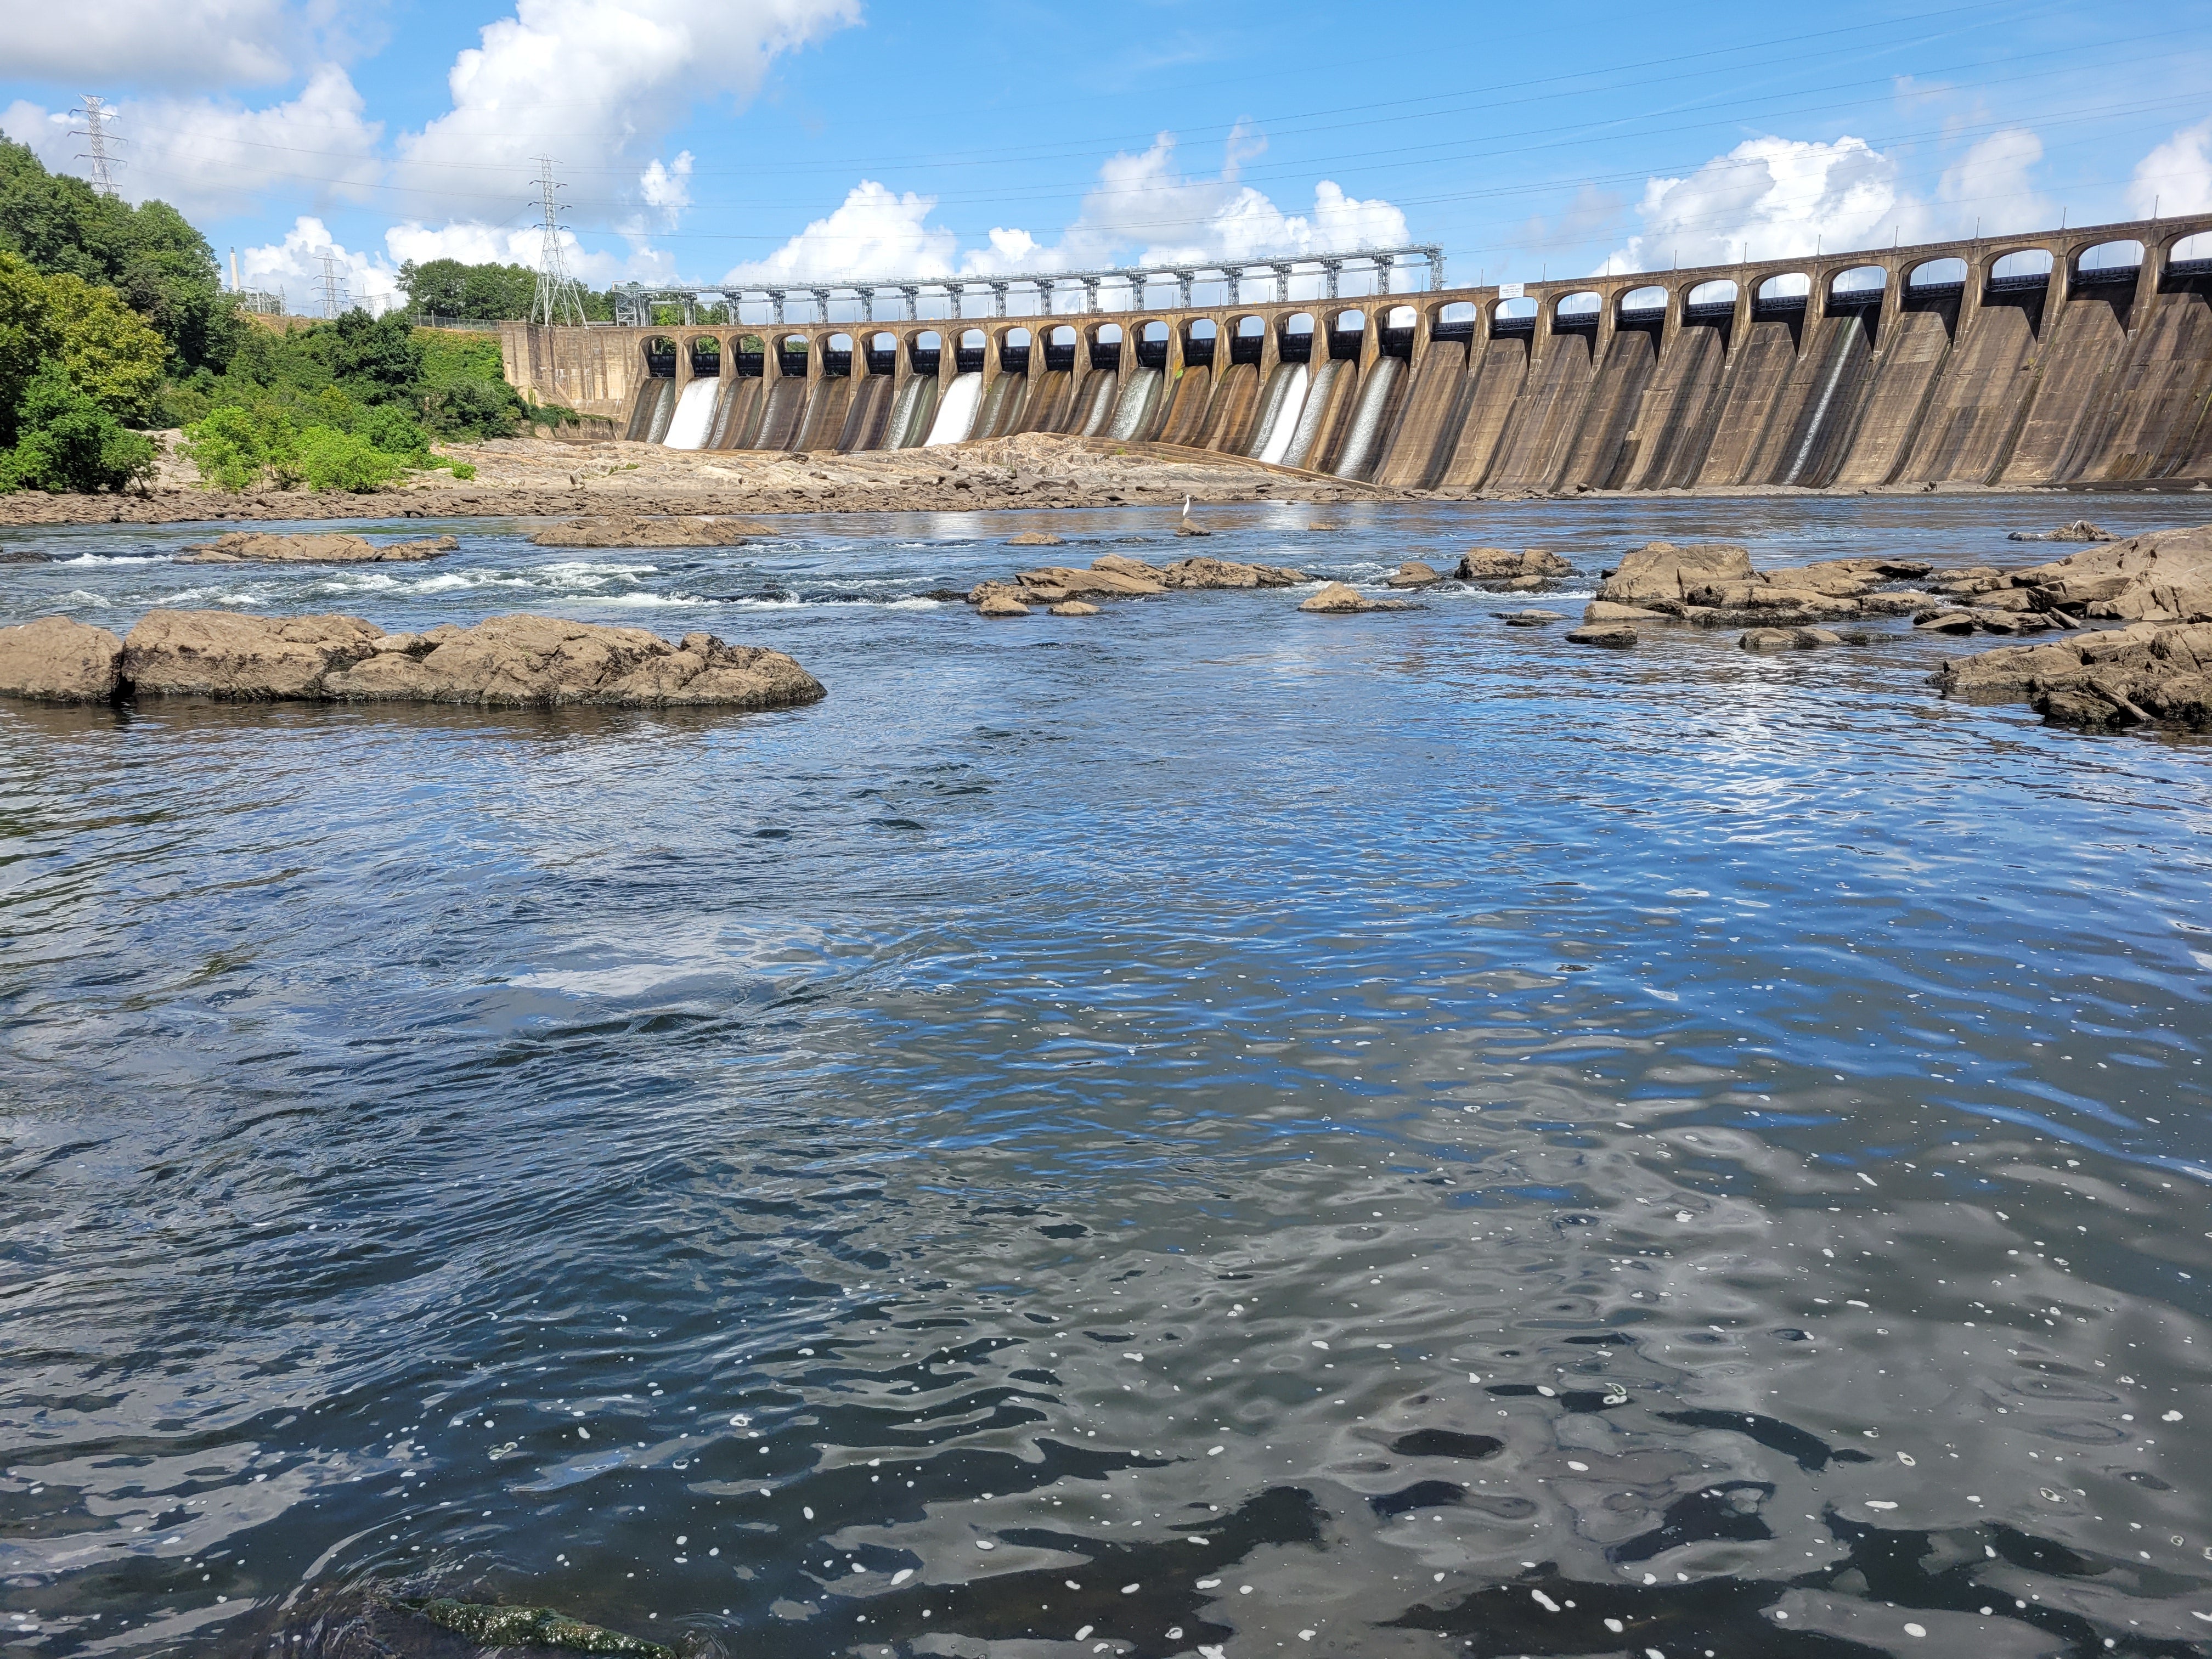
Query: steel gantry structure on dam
(635, 304)
(2076, 355)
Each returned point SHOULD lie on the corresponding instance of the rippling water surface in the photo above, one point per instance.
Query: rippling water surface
(1199, 1130)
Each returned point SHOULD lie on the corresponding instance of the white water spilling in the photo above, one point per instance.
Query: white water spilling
(1359, 454)
(956, 413)
(1099, 390)
(664, 406)
(897, 432)
(1137, 404)
(694, 416)
(1285, 425)
(1321, 381)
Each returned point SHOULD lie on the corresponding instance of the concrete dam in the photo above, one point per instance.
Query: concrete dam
(2080, 357)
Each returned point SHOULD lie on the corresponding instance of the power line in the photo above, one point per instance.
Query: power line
(558, 300)
(97, 115)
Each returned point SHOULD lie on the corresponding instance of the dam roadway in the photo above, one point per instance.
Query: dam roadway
(2079, 357)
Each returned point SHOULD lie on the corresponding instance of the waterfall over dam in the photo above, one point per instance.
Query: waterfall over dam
(2081, 356)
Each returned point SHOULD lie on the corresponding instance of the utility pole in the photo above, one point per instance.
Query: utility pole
(556, 300)
(96, 116)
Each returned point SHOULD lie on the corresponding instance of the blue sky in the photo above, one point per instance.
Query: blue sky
(832, 138)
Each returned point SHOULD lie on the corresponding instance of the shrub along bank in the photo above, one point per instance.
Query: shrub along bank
(113, 320)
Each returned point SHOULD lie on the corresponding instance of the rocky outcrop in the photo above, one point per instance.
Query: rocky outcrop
(2080, 531)
(1035, 538)
(1117, 576)
(1787, 639)
(2165, 575)
(1186, 528)
(1662, 570)
(1413, 573)
(1528, 618)
(546, 662)
(1713, 583)
(1524, 569)
(219, 654)
(56, 659)
(23, 556)
(1074, 608)
(999, 603)
(248, 547)
(1337, 599)
(1615, 636)
(636, 530)
(2106, 679)
(519, 661)
(1604, 610)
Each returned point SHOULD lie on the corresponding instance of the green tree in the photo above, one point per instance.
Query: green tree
(112, 355)
(149, 253)
(68, 441)
(27, 337)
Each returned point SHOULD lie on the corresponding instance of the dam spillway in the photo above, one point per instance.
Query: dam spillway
(2076, 357)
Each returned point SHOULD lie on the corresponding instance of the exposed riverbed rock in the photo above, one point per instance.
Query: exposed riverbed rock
(1495, 564)
(1530, 618)
(1787, 639)
(1074, 608)
(1339, 600)
(220, 654)
(1035, 538)
(57, 659)
(1604, 610)
(2080, 531)
(2110, 678)
(1413, 573)
(517, 661)
(544, 662)
(249, 547)
(23, 556)
(2165, 575)
(637, 530)
(1613, 636)
(1117, 576)
(999, 603)
(1663, 570)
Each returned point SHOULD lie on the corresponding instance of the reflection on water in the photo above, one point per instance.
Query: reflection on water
(1198, 1129)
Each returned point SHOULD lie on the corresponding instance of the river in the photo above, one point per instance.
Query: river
(1196, 1128)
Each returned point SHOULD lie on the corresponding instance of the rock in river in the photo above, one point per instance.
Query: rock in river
(1035, 538)
(1616, 636)
(519, 661)
(2114, 678)
(251, 547)
(1412, 574)
(1337, 599)
(635, 530)
(1495, 564)
(56, 659)
(2080, 531)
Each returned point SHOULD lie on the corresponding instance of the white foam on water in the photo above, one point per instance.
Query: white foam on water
(81, 596)
(694, 416)
(957, 414)
(118, 558)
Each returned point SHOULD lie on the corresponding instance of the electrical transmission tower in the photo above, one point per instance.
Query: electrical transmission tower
(333, 291)
(96, 116)
(557, 298)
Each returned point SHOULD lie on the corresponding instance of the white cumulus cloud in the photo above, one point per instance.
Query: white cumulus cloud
(593, 83)
(2175, 177)
(667, 188)
(1773, 198)
(1143, 210)
(295, 267)
(211, 157)
(172, 44)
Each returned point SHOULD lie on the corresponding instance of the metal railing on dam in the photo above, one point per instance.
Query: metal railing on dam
(2086, 358)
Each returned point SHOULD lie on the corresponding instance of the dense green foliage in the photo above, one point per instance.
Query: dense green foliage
(113, 316)
(163, 269)
(70, 442)
(483, 293)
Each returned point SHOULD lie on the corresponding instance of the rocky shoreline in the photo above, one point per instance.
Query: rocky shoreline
(503, 662)
(539, 477)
